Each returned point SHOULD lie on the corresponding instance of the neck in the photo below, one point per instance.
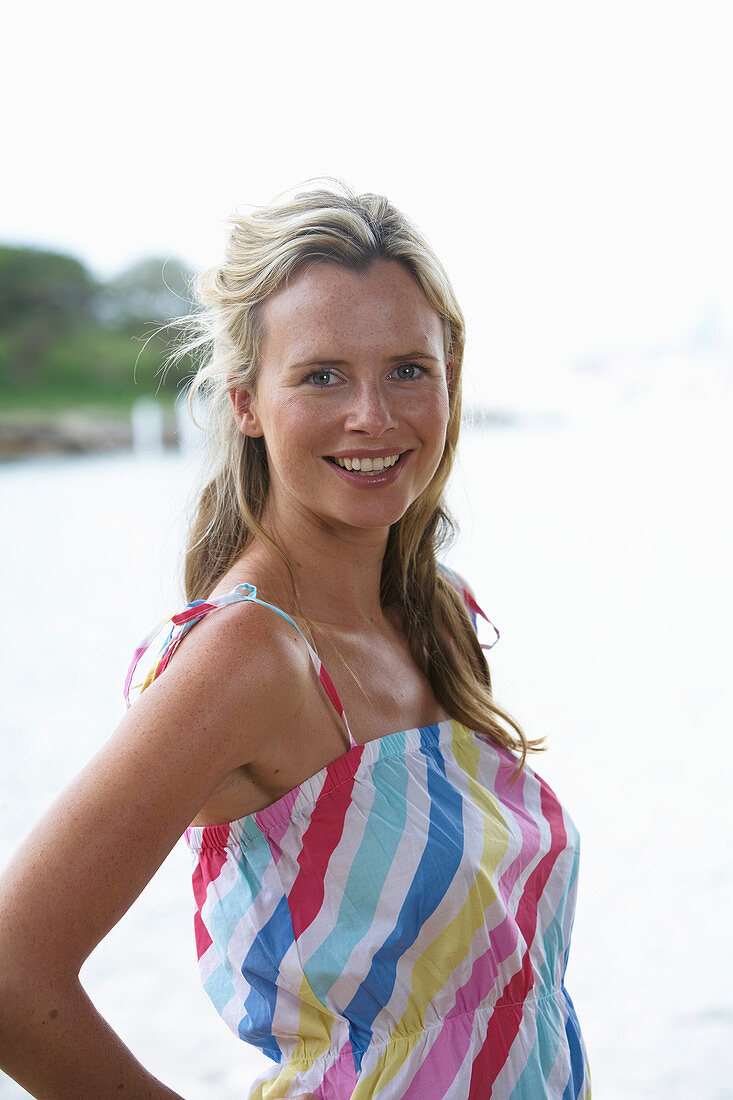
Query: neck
(338, 571)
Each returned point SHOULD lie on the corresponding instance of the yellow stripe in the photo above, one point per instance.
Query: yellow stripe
(315, 1022)
(440, 958)
(151, 674)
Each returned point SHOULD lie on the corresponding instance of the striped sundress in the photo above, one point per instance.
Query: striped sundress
(398, 925)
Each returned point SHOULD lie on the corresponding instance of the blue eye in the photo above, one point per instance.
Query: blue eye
(321, 378)
(407, 371)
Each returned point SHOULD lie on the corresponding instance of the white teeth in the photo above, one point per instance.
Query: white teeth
(367, 465)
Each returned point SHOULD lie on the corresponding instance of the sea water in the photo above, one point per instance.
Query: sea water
(602, 552)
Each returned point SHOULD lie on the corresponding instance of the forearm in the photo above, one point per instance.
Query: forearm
(57, 1046)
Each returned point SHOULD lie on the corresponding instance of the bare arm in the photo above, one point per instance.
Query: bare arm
(235, 680)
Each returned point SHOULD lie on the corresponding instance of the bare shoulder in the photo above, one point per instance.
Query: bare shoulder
(241, 671)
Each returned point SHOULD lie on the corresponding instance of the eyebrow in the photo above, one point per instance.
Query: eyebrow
(319, 362)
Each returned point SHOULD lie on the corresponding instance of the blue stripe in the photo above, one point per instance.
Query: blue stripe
(368, 872)
(223, 912)
(549, 1017)
(573, 879)
(219, 988)
(577, 1061)
(248, 593)
(262, 962)
(261, 968)
(550, 1024)
(438, 864)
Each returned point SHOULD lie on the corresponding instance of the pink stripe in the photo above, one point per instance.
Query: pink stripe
(537, 881)
(319, 843)
(275, 825)
(492, 1057)
(450, 1048)
(215, 860)
(506, 1018)
(192, 613)
(340, 1077)
(162, 664)
(503, 940)
(441, 1066)
(510, 789)
(331, 690)
(201, 935)
(131, 671)
(471, 604)
(140, 649)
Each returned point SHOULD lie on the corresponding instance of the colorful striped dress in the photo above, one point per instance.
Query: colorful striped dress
(398, 925)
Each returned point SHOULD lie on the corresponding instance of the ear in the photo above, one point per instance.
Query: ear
(244, 412)
(448, 370)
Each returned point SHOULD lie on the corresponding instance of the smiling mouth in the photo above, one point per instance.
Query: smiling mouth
(366, 465)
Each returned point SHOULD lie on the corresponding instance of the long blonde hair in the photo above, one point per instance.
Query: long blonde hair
(266, 247)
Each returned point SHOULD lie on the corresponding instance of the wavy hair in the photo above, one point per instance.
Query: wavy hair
(266, 247)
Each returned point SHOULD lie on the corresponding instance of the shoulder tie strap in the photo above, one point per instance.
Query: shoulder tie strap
(472, 606)
(194, 612)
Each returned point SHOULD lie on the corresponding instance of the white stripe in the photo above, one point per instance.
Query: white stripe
(395, 888)
(447, 910)
(339, 864)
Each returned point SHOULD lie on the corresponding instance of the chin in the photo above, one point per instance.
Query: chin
(373, 519)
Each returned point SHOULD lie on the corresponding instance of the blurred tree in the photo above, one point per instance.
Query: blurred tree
(34, 283)
(42, 296)
(141, 302)
(62, 332)
(99, 362)
(149, 292)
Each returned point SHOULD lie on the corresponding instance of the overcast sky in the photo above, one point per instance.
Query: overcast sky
(570, 161)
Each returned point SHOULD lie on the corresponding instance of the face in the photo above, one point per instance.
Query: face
(351, 397)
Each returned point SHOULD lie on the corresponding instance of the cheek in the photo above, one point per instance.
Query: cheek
(432, 415)
(293, 433)
(286, 423)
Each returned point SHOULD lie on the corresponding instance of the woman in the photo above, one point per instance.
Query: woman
(386, 914)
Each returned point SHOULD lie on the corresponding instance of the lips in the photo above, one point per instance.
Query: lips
(369, 470)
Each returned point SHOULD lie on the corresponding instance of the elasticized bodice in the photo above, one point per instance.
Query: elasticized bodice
(398, 925)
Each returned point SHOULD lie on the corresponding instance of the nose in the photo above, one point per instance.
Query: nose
(370, 410)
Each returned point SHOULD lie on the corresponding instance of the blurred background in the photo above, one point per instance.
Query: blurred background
(570, 164)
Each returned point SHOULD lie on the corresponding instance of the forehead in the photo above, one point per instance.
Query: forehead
(327, 307)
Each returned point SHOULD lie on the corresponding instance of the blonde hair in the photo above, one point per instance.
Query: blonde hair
(266, 247)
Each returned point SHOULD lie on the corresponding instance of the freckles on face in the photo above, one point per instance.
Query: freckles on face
(356, 315)
(351, 364)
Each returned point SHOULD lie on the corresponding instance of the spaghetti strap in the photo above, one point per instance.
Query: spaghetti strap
(249, 592)
(184, 620)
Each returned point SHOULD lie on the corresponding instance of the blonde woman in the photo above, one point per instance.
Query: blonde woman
(384, 888)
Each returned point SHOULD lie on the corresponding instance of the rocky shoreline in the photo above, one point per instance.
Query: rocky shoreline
(70, 433)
